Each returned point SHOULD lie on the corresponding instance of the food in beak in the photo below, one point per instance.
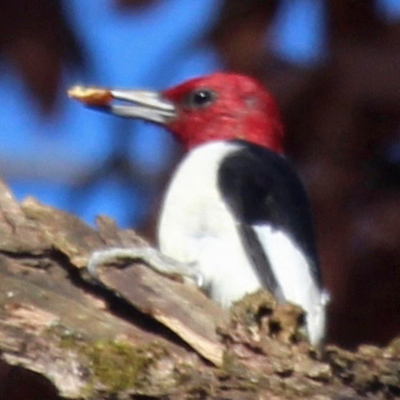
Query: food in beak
(90, 96)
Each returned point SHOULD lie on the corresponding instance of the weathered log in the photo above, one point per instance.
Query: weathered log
(137, 334)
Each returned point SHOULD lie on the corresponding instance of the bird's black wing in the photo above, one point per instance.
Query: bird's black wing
(261, 188)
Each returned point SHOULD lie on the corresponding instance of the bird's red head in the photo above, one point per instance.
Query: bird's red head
(224, 106)
(220, 106)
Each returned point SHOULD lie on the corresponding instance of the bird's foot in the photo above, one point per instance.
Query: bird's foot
(152, 257)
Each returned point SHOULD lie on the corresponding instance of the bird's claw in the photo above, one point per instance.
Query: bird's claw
(199, 280)
(153, 258)
(100, 257)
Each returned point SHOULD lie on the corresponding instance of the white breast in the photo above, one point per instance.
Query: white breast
(196, 226)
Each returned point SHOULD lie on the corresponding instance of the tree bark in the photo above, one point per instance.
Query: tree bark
(134, 333)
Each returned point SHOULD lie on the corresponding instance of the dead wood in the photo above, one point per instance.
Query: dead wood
(137, 334)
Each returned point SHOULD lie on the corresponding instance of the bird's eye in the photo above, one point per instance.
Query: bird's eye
(200, 98)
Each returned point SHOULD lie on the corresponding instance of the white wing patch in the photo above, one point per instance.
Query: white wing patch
(293, 275)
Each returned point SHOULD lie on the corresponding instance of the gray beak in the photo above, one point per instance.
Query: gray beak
(143, 104)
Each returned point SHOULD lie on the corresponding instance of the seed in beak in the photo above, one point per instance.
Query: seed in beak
(90, 96)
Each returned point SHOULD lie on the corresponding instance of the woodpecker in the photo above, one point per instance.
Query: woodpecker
(235, 217)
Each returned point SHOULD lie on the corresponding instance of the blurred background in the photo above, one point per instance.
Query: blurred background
(333, 65)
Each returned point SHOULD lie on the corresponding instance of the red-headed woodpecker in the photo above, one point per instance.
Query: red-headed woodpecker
(235, 216)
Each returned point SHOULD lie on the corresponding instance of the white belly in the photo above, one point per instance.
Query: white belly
(197, 227)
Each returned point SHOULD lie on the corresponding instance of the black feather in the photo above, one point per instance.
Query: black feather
(261, 187)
